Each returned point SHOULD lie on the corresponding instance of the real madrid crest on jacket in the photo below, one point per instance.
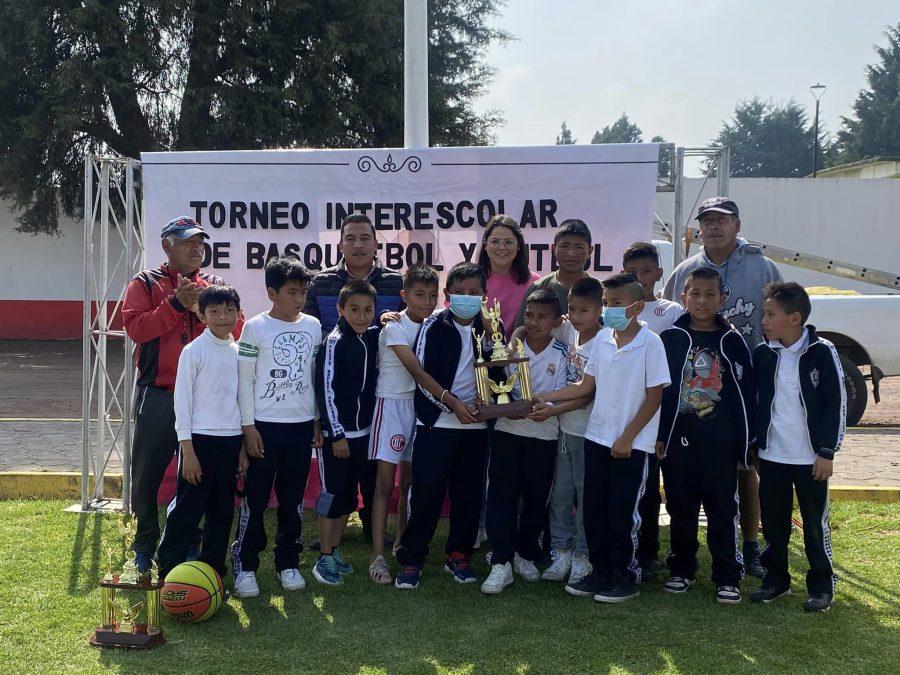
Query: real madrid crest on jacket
(703, 379)
(822, 392)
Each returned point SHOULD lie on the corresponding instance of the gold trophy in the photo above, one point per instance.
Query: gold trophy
(503, 405)
(123, 625)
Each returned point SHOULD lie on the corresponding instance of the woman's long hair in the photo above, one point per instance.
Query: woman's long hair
(519, 270)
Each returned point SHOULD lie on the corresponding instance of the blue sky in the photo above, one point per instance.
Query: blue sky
(676, 68)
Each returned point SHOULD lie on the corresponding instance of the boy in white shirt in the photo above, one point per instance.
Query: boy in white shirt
(208, 425)
(394, 422)
(641, 260)
(276, 359)
(523, 454)
(627, 372)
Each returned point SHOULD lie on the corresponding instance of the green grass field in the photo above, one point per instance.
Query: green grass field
(50, 562)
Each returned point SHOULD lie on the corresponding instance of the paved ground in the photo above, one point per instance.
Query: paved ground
(40, 411)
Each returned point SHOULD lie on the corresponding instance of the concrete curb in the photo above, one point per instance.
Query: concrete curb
(67, 485)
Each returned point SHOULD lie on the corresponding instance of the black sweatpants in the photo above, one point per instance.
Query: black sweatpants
(612, 491)
(212, 498)
(698, 473)
(520, 468)
(648, 535)
(287, 452)
(155, 443)
(442, 459)
(340, 477)
(777, 483)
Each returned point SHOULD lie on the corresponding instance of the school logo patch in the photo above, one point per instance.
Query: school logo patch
(726, 291)
(398, 442)
(814, 377)
(659, 311)
(551, 369)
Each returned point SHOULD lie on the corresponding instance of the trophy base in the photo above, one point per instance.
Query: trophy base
(106, 638)
(511, 409)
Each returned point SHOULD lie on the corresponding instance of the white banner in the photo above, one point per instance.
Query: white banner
(427, 205)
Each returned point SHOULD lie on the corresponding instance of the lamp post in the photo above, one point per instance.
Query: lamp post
(817, 90)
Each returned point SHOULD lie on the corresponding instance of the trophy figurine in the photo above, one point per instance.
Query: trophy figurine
(121, 624)
(503, 405)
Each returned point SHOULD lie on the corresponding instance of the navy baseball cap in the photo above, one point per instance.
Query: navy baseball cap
(183, 227)
(718, 205)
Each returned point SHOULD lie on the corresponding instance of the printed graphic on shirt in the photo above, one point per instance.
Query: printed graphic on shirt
(291, 350)
(702, 383)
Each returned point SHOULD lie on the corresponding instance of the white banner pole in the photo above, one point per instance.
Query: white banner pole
(415, 73)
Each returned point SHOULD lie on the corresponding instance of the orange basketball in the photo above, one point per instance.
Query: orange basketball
(193, 592)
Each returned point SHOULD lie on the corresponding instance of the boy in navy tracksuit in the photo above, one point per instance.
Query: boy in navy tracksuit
(800, 426)
(450, 448)
(345, 393)
(705, 430)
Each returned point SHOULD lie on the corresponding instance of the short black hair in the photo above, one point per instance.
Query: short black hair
(790, 296)
(283, 269)
(420, 274)
(638, 250)
(623, 280)
(703, 273)
(587, 287)
(218, 294)
(356, 217)
(466, 270)
(543, 296)
(356, 287)
(573, 227)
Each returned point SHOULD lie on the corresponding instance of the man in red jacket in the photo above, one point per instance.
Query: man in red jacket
(159, 315)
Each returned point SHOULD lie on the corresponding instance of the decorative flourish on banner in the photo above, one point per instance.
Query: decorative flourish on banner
(412, 163)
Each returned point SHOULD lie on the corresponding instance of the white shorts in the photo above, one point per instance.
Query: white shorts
(392, 430)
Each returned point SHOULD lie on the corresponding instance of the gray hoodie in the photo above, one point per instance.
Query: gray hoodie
(744, 274)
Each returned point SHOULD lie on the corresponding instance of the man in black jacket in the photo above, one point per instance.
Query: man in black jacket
(800, 426)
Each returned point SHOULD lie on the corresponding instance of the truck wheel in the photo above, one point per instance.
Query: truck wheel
(857, 395)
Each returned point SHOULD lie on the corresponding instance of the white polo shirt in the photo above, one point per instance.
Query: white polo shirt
(394, 381)
(660, 314)
(788, 439)
(623, 377)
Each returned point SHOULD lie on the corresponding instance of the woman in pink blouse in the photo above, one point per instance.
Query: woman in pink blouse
(504, 258)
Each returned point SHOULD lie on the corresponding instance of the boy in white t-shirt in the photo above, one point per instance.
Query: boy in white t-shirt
(394, 422)
(523, 454)
(626, 373)
(641, 260)
(208, 425)
(276, 360)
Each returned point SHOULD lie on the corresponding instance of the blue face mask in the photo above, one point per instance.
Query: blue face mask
(616, 318)
(465, 306)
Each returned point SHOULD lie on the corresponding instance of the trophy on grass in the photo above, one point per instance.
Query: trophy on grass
(130, 626)
(496, 397)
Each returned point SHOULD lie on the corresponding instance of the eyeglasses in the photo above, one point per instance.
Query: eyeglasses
(497, 243)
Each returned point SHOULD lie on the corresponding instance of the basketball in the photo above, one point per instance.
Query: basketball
(193, 592)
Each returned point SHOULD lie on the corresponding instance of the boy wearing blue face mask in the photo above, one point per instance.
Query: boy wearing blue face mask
(450, 448)
(626, 373)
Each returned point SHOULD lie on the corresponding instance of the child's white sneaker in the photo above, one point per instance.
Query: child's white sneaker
(581, 567)
(559, 567)
(526, 569)
(500, 577)
(245, 585)
(292, 580)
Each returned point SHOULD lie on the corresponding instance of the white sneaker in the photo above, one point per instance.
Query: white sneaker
(559, 568)
(581, 567)
(292, 580)
(500, 577)
(245, 585)
(526, 569)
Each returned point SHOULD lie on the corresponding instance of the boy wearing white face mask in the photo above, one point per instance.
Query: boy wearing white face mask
(626, 373)
(450, 448)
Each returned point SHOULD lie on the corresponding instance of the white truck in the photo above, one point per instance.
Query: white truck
(864, 328)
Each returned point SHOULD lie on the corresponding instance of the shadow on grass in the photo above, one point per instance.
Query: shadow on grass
(84, 566)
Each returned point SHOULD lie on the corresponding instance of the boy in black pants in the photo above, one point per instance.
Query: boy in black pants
(345, 392)
(802, 407)
(208, 425)
(276, 355)
(705, 431)
(450, 448)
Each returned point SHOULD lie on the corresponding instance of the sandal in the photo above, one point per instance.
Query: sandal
(379, 572)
